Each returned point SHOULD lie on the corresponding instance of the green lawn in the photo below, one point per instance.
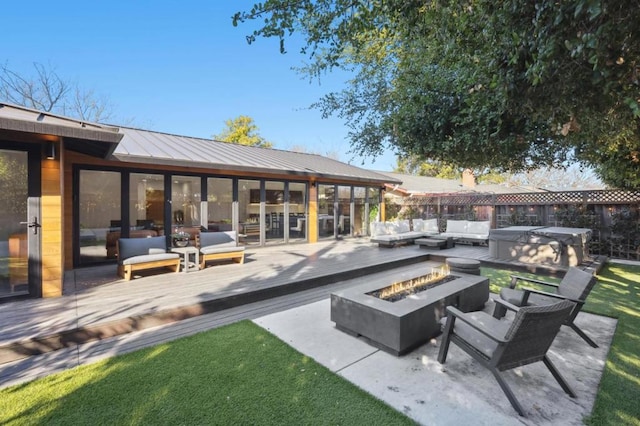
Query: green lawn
(617, 294)
(238, 374)
(241, 374)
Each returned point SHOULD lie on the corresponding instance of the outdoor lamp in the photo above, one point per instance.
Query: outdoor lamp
(50, 150)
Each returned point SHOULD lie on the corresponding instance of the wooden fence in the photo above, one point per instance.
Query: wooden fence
(612, 215)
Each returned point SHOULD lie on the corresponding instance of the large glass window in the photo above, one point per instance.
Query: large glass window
(14, 255)
(219, 204)
(249, 216)
(373, 207)
(146, 203)
(185, 201)
(326, 211)
(359, 219)
(99, 215)
(344, 210)
(274, 211)
(297, 211)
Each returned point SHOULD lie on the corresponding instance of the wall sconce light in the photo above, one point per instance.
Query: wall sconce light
(313, 184)
(50, 150)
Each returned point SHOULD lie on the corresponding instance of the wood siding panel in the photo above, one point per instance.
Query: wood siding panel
(312, 237)
(52, 230)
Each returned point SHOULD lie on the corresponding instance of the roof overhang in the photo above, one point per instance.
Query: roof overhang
(87, 138)
(251, 169)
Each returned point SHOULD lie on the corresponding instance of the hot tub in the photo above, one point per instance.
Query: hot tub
(540, 245)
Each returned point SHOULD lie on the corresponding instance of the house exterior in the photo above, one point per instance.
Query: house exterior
(73, 188)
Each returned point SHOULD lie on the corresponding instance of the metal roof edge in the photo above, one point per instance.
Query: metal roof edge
(182, 163)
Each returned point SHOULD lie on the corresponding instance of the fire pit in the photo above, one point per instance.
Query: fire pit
(408, 318)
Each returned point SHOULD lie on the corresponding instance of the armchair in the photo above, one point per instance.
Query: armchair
(500, 345)
(575, 286)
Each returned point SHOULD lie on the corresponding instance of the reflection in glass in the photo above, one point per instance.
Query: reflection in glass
(249, 211)
(359, 211)
(185, 201)
(325, 211)
(146, 202)
(219, 204)
(373, 207)
(99, 215)
(297, 211)
(274, 211)
(14, 276)
(344, 210)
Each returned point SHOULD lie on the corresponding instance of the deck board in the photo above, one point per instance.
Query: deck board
(96, 297)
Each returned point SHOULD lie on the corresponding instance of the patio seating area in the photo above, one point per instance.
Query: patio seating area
(96, 318)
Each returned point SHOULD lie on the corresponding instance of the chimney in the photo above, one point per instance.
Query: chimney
(468, 179)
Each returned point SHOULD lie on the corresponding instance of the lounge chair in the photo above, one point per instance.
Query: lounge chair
(219, 245)
(575, 286)
(501, 345)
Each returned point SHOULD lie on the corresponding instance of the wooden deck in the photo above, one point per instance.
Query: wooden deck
(97, 305)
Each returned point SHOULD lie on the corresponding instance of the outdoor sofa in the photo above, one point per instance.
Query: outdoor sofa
(135, 254)
(468, 231)
(219, 245)
(390, 234)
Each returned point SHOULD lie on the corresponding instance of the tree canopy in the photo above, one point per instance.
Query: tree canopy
(511, 85)
(242, 130)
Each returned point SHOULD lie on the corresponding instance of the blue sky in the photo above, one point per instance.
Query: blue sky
(178, 67)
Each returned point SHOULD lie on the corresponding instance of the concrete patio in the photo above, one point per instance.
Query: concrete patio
(461, 392)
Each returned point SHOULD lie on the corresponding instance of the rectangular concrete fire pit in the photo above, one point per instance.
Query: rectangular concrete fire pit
(401, 326)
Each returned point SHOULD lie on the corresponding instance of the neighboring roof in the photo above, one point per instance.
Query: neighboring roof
(143, 146)
(85, 137)
(413, 185)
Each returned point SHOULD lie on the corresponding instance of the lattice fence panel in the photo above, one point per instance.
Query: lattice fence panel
(530, 198)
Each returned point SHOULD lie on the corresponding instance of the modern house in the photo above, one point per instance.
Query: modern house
(72, 188)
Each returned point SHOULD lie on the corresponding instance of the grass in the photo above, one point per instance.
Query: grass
(241, 374)
(617, 295)
(238, 374)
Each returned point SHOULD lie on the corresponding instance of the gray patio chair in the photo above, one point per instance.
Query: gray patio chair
(501, 345)
(575, 286)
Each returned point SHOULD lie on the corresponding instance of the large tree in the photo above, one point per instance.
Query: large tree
(514, 85)
(242, 130)
(45, 90)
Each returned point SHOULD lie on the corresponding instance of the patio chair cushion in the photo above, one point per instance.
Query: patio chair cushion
(403, 226)
(481, 227)
(134, 260)
(218, 239)
(220, 249)
(456, 226)
(478, 340)
(426, 226)
(378, 228)
(392, 228)
(150, 246)
(220, 245)
(515, 297)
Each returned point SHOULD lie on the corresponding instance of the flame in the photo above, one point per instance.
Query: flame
(416, 283)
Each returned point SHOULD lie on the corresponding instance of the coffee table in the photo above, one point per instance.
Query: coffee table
(186, 253)
(436, 242)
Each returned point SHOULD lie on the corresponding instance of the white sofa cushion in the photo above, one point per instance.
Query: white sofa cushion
(430, 225)
(479, 227)
(392, 228)
(378, 228)
(403, 226)
(456, 226)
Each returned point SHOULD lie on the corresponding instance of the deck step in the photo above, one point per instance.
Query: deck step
(76, 336)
